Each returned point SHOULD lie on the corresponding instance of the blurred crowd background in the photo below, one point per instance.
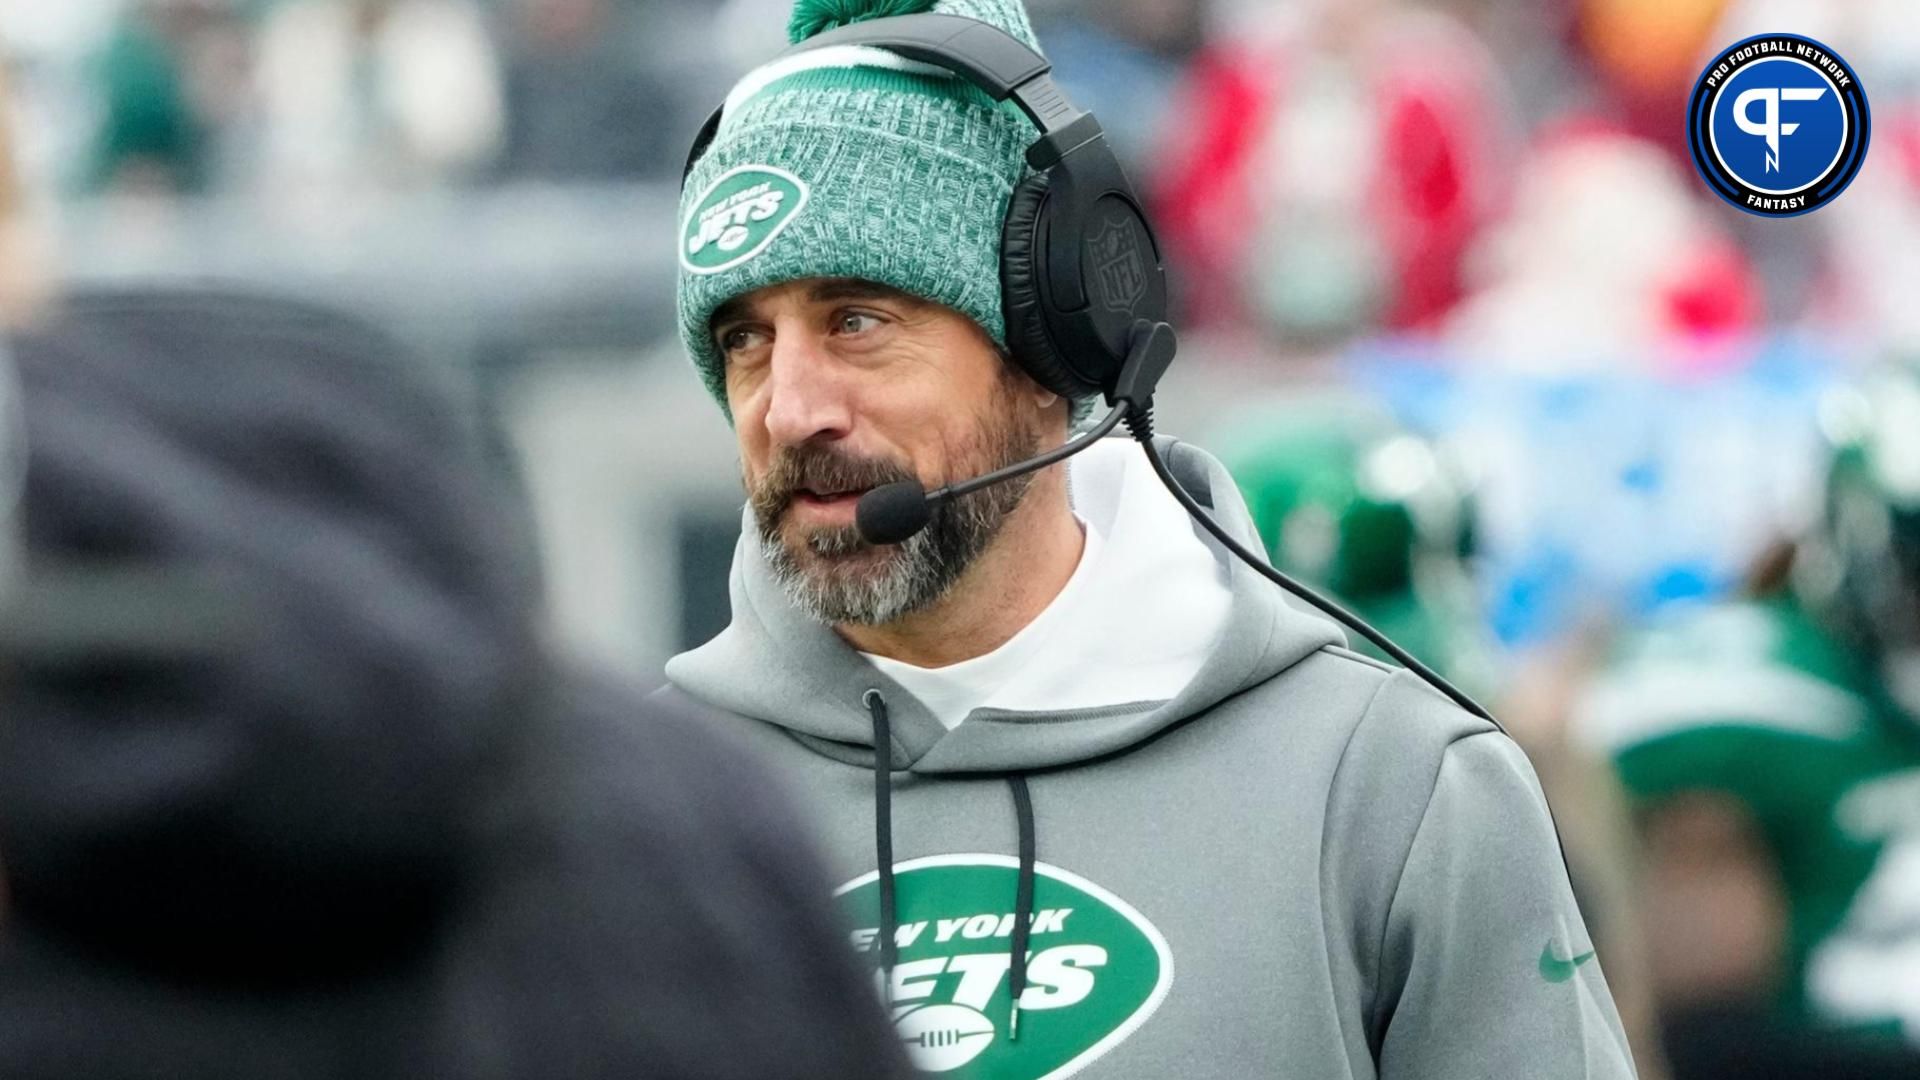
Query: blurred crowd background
(1478, 215)
(1488, 358)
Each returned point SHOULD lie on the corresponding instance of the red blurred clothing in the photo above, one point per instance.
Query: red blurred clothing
(1416, 183)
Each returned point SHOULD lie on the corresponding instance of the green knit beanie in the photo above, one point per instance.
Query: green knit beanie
(854, 162)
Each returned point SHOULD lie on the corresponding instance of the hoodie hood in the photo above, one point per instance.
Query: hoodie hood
(777, 665)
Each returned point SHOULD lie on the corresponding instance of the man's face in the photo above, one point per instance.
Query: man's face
(838, 386)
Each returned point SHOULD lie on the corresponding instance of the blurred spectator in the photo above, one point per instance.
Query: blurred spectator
(1123, 60)
(1329, 175)
(1647, 54)
(167, 78)
(23, 271)
(1772, 748)
(1862, 289)
(21, 287)
(149, 136)
(376, 93)
(1611, 259)
(289, 786)
(578, 106)
(1872, 242)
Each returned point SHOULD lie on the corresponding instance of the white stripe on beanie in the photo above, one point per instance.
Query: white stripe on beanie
(833, 56)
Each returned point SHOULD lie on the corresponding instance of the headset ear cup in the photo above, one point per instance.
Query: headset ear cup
(1021, 256)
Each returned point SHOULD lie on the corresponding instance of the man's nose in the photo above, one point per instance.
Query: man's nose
(810, 397)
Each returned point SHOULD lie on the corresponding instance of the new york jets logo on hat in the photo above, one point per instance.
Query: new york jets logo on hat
(738, 215)
(1096, 968)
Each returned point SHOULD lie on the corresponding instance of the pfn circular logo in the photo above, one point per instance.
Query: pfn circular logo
(1778, 125)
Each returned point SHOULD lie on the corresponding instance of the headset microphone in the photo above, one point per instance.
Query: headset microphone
(893, 513)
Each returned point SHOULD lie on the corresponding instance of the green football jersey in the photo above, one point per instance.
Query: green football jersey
(1754, 701)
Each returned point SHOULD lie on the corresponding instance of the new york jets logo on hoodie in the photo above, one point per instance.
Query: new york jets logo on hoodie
(1097, 968)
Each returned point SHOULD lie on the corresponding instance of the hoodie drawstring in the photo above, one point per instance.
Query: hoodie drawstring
(883, 829)
(883, 856)
(1022, 902)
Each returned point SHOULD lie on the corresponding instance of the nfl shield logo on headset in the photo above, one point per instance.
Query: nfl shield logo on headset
(1117, 266)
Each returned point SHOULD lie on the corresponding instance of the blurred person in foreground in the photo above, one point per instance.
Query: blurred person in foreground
(1061, 745)
(289, 786)
(1771, 745)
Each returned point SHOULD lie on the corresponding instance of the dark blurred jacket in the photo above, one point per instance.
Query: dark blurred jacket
(288, 786)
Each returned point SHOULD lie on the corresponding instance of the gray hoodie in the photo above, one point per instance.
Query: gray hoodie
(1303, 864)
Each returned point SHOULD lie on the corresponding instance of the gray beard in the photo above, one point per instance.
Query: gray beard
(837, 578)
(847, 581)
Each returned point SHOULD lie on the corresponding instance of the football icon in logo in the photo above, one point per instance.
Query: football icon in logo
(941, 1038)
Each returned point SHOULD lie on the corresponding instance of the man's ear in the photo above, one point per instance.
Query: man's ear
(1051, 408)
(1054, 411)
(1024, 385)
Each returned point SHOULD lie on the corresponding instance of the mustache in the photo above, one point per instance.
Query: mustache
(818, 468)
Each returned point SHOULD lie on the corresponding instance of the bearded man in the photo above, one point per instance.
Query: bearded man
(1060, 744)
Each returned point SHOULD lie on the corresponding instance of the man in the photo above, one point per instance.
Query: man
(289, 786)
(1242, 850)
(1771, 749)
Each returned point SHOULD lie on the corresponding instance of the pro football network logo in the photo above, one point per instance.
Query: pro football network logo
(1778, 125)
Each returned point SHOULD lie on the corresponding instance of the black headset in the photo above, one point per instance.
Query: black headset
(1079, 265)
